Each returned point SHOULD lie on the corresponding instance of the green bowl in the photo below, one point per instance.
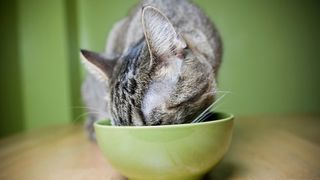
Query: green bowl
(182, 151)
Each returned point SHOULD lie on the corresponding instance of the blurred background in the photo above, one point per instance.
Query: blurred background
(270, 63)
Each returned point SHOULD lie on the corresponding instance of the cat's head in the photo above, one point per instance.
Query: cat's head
(163, 79)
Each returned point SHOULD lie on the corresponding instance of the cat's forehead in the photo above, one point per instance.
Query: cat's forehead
(130, 63)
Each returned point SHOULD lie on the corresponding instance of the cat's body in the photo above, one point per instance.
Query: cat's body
(159, 66)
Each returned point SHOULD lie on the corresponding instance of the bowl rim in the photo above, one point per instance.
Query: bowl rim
(228, 117)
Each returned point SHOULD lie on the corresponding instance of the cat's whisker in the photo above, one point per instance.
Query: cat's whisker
(204, 113)
(84, 107)
(204, 116)
(83, 114)
(89, 110)
(208, 113)
(79, 107)
(227, 92)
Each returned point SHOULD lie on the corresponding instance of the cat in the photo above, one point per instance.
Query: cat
(159, 67)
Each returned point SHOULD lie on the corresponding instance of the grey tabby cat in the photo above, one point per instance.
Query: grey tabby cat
(159, 66)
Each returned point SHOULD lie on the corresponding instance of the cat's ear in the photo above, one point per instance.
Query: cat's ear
(161, 36)
(97, 64)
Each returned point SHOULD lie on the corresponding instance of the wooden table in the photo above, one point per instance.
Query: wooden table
(262, 148)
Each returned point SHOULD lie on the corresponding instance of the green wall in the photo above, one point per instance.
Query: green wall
(11, 110)
(44, 62)
(270, 64)
(271, 56)
(40, 74)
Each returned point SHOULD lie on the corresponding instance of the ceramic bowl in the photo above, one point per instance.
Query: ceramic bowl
(183, 151)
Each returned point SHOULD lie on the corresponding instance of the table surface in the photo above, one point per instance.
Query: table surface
(262, 148)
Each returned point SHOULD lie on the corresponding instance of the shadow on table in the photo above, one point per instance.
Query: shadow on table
(224, 170)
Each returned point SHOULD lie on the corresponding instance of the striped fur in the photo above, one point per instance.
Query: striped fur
(165, 57)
